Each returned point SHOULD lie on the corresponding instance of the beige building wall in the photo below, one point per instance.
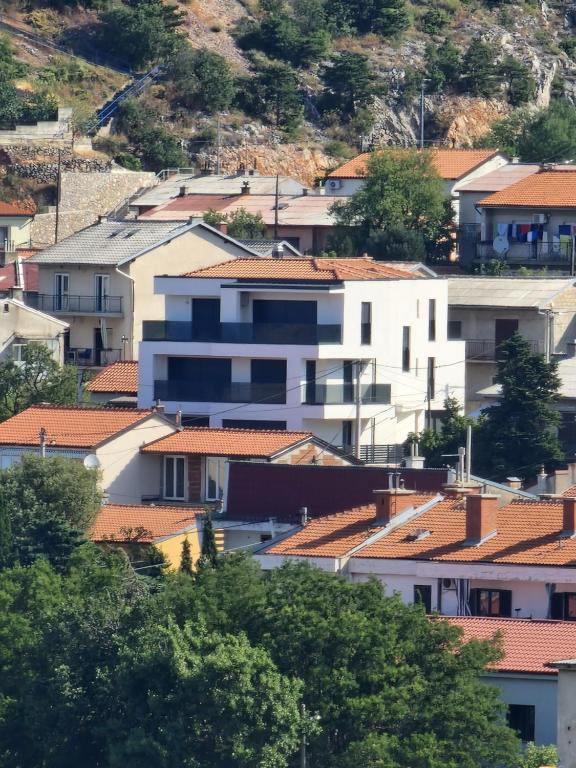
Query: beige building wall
(171, 547)
(18, 231)
(124, 473)
(21, 324)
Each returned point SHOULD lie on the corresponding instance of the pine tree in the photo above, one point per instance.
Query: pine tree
(479, 73)
(6, 540)
(209, 553)
(186, 558)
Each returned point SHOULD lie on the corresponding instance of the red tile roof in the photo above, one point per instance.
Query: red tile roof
(449, 163)
(528, 534)
(68, 426)
(119, 522)
(15, 209)
(571, 491)
(547, 189)
(327, 270)
(210, 441)
(116, 377)
(336, 535)
(8, 277)
(528, 645)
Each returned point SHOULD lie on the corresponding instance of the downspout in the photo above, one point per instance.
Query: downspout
(132, 281)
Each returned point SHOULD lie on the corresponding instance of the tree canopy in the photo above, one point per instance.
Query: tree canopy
(202, 79)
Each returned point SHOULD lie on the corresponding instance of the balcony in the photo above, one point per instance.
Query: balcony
(217, 392)
(486, 350)
(242, 333)
(391, 453)
(87, 357)
(78, 305)
(536, 254)
(341, 394)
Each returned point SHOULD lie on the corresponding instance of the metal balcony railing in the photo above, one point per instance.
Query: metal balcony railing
(487, 349)
(85, 356)
(527, 253)
(217, 392)
(242, 333)
(97, 305)
(341, 394)
(390, 453)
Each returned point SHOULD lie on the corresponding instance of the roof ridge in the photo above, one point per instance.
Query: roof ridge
(246, 430)
(84, 407)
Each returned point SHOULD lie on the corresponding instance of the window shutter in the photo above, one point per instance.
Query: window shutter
(474, 598)
(505, 602)
(557, 606)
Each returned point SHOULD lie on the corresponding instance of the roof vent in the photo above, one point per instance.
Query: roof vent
(419, 534)
(245, 189)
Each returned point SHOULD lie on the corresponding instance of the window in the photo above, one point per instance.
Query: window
(215, 476)
(102, 292)
(61, 291)
(563, 606)
(253, 424)
(265, 537)
(423, 595)
(346, 435)
(454, 329)
(310, 394)
(366, 323)
(521, 718)
(174, 474)
(406, 348)
(491, 602)
(432, 320)
(189, 420)
(348, 381)
(431, 380)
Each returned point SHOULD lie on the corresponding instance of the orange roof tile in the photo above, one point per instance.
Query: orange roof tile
(546, 189)
(449, 163)
(571, 491)
(15, 209)
(68, 426)
(528, 645)
(327, 270)
(116, 377)
(527, 535)
(335, 535)
(227, 442)
(119, 522)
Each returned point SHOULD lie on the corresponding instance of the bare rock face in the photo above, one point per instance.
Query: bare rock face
(468, 118)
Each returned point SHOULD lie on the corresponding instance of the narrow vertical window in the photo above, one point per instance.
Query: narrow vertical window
(432, 320)
(406, 348)
(366, 323)
(174, 477)
(431, 378)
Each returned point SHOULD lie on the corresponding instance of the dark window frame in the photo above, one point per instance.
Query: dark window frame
(522, 719)
(431, 319)
(406, 348)
(504, 601)
(366, 323)
(423, 595)
(452, 324)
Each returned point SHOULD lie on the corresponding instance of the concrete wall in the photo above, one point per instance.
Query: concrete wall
(539, 691)
(566, 731)
(57, 130)
(19, 324)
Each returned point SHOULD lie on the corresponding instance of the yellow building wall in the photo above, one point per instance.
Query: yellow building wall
(171, 548)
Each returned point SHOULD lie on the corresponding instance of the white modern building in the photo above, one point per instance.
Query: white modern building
(283, 344)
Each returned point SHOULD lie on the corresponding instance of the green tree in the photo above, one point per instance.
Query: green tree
(10, 67)
(6, 540)
(436, 446)
(402, 191)
(396, 244)
(186, 558)
(274, 94)
(550, 136)
(506, 133)
(349, 83)
(242, 224)
(202, 79)
(479, 71)
(434, 21)
(537, 756)
(10, 104)
(520, 84)
(443, 66)
(37, 379)
(51, 504)
(519, 434)
(385, 17)
(208, 551)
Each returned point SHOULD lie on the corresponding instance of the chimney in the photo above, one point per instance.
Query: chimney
(457, 489)
(481, 518)
(245, 189)
(278, 251)
(305, 192)
(223, 227)
(102, 219)
(17, 290)
(178, 418)
(514, 482)
(542, 481)
(414, 461)
(158, 407)
(390, 502)
(569, 516)
(304, 516)
(183, 191)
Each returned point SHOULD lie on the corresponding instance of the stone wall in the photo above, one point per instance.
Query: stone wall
(50, 130)
(84, 197)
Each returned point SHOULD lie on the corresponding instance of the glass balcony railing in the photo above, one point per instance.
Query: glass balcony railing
(242, 333)
(341, 394)
(217, 392)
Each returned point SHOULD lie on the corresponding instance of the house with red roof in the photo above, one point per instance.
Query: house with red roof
(354, 351)
(116, 384)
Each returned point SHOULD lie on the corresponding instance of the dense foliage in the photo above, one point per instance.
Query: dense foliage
(153, 144)
(17, 106)
(240, 224)
(202, 79)
(99, 667)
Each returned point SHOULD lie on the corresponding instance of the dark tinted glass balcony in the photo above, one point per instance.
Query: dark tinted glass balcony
(340, 394)
(243, 333)
(98, 305)
(219, 392)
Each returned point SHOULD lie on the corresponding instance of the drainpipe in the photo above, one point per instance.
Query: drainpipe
(548, 314)
(125, 274)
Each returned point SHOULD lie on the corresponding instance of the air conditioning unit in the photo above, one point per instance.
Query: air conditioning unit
(334, 183)
(539, 218)
(448, 585)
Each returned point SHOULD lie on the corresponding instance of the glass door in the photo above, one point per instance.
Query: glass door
(102, 292)
(61, 291)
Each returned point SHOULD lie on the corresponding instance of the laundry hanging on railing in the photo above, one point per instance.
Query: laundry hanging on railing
(521, 233)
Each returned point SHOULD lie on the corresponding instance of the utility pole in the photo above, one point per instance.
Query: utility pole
(218, 146)
(468, 453)
(303, 740)
(58, 185)
(276, 204)
(358, 404)
(42, 442)
(422, 114)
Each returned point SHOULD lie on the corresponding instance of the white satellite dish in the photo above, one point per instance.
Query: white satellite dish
(91, 461)
(501, 245)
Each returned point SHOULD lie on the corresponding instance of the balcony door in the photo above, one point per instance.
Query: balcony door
(205, 319)
(202, 379)
(101, 292)
(503, 330)
(61, 291)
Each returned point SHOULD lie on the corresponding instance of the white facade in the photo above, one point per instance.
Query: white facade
(314, 393)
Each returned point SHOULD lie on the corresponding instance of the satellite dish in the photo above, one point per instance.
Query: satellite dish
(501, 245)
(91, 461)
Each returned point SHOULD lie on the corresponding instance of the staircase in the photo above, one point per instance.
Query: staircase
(136, 87)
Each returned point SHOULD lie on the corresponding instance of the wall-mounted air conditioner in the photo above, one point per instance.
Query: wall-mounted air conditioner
(334, 183)
(448, 585)
(539, 218)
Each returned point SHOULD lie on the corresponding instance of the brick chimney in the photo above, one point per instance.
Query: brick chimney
(390, 502)
(515, 483)
(453, 490)
(569, 516)
(481, 517)
(223, 227)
